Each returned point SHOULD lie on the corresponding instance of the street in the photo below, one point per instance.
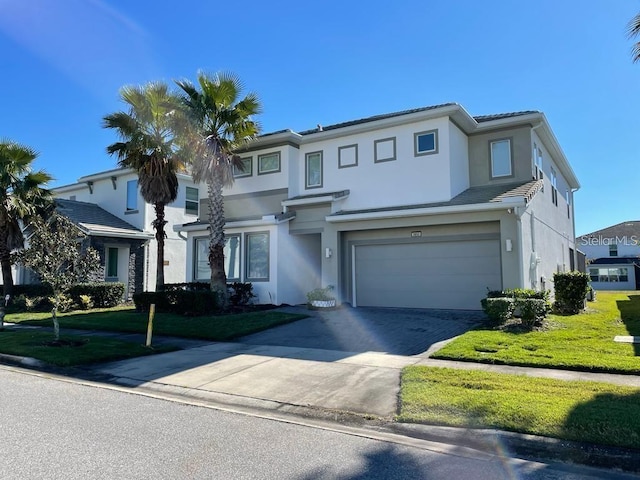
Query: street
(54, 429)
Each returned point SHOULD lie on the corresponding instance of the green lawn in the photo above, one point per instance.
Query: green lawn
(30, 343)
(576, 342)
(582, 411)
(215, 328)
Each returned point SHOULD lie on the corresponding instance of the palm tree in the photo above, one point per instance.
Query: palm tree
(633, 30)
(222, 124)
(22, 196)
(148, 145)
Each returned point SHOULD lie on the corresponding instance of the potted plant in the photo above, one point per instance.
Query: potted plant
(321, 298)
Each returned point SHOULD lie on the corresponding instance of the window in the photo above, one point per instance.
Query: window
(568, 198)
(425, 143)
(501, 158)
(132, 195)
(112, 262)
(348, 156)
(613, 250)
(247, 168)
(202, 271)
(554, 187)
(537, 157)
(313, 170)
(232, 257)
(269, 163)
(257, 246)
(609, 274)
(384, 150)
(192, 201)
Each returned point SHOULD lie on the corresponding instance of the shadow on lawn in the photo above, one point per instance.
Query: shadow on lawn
(630, 315)
(612, 419)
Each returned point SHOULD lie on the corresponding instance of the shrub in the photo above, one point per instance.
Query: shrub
(571, 291)
(532, 311)
(103, 294)
(240, 293)
(499, 310)
(143, 301)
(321, 294)
(190, 302)
(85, 303)
(519, 293)
(65, 302)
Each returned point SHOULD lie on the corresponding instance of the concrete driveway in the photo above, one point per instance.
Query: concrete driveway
(396, 331)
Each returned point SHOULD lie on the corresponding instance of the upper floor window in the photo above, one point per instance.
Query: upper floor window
(554, 187)
(425, 143)
(247, 168)
(269, 163)
(384, 150)
(501, 158)
(613, 250)
(313, 170)
(537, 158)
(132, 195)
(348, 156)
(568, 198)
(192, 201)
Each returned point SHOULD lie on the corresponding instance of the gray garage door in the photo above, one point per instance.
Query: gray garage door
(450, 275)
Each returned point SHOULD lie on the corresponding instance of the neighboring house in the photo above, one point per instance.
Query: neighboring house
(613, 256)
(109, 208)
(426, 208)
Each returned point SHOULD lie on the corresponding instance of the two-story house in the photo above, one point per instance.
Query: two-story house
(613, 254)
(426, 208)
(109, 208)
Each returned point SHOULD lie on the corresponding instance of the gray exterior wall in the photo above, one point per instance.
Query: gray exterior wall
(249, 205)
(480, 156)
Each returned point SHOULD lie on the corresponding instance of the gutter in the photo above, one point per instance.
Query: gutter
(513, 202)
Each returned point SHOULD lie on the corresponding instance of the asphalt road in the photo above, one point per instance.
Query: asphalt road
(54, 429)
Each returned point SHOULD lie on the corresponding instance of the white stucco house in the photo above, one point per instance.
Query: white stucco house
(613, 256)
(425, 208)
(108, 207)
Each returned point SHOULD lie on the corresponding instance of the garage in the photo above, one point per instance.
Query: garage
(426, 274)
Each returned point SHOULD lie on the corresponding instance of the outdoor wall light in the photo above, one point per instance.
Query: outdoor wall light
(328, 252)
(508, 245)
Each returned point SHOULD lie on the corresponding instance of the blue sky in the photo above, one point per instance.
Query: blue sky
(63, 61)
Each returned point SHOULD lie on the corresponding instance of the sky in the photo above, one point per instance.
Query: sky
(62, 63)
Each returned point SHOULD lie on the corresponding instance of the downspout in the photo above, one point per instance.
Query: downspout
(518, 211)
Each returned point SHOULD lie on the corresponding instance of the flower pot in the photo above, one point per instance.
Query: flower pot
(323, 303)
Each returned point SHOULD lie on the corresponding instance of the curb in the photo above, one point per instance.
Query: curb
(23, 361)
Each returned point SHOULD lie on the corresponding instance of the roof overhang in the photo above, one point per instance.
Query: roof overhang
(266, 220)
(508, 205)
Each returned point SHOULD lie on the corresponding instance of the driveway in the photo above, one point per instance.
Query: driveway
(396, 331)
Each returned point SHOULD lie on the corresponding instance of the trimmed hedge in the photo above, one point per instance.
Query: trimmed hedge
(571, 291)
(499, 310)
(102, 294)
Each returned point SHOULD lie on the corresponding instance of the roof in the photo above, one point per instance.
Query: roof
(94, 220)
(500, 116)
(628, 229)
(616, 261)
(471, 196)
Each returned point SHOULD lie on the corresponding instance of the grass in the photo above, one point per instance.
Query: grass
(583, 411)
(32, 344)
(574, 342)
(215, 328)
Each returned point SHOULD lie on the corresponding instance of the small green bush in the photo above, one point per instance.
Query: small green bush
(571, 291)
(143, 301)
(519, 293)
(65, 302)
(85, 303)
(189, 302)
(499, 310)
(532, 311)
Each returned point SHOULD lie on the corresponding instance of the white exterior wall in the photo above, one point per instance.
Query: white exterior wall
(268, 181)
(459, 157)
(424, 179)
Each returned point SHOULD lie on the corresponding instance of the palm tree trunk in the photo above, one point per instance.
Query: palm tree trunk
(5, 260)
(216, 240)
(159, 224)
